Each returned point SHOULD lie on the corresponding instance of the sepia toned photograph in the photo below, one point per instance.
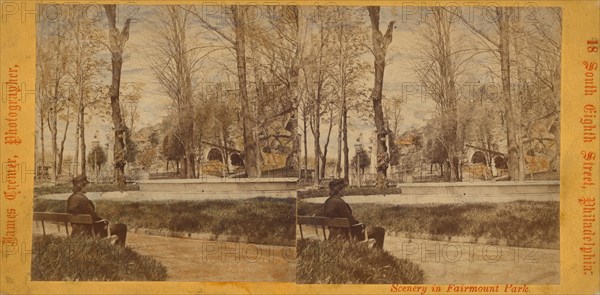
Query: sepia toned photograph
(341, 147)
(431, 147)
(309, 144)
(167, 143)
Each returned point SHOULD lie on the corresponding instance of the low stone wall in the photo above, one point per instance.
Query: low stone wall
(481, 188)
(226, 187)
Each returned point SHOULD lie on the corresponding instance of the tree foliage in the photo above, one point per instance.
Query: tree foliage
(172, 148)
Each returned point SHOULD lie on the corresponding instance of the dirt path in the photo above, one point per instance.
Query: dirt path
(216, 261)
(461, 263)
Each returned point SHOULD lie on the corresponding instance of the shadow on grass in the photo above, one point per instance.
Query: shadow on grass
(344, 262)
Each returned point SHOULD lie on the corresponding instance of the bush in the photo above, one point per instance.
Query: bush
(258, 220)
(345, 262)
(86, 259)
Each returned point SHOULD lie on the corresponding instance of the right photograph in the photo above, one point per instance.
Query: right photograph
(430, 148)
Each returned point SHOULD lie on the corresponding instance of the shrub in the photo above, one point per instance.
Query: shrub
(345, 262)
(86, 259)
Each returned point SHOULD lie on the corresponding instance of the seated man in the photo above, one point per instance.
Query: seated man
(78, 203)
(336, 207)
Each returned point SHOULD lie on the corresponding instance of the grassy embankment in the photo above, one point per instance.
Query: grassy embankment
(343, 262)
(258, 220)
(85, 259)
(518, 223)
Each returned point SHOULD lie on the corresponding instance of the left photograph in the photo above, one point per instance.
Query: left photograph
(167, 143)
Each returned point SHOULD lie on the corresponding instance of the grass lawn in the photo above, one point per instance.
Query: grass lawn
(259, 220)
(518, 223)
(344, 262)
(85, 259)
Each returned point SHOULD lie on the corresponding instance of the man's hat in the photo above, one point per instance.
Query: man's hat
(337, 184)
(80, 180)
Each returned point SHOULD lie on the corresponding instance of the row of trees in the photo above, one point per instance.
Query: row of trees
(262, 56)
(292, 62)
(333, 83)
(271, 67)
(70, 83)
(523, 55)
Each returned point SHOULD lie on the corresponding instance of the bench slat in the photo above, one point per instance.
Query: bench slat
(63, 217)
(324, 221)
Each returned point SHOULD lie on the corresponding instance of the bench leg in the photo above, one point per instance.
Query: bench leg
(67, 229)
(43, 228)
(324, 235)
(301, 235)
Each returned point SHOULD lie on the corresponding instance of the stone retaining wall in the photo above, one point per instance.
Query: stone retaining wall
(481, 188)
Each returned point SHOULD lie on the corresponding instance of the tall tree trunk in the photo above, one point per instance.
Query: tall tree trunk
(53, 132)
(62, 144)
(447, 95)
(52, 125)
(338, 167)
(184, 166)
(305, 134)
(555, 162)
(76, 156)
(117, 44)
(316, 122)
(346, 149)
(42, 124)
(257, 105)
(294, 163)
(324, 154)
(249, 125)
(225, 135)
(294, 85)
(344, 107)
(190, 163)
(338, 162)
(515, 171)
(316, 126)
(82, 137)
(518, 113)
(380, 44)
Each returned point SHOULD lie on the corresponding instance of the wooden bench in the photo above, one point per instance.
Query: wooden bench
(59, 218)
(325, 222)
